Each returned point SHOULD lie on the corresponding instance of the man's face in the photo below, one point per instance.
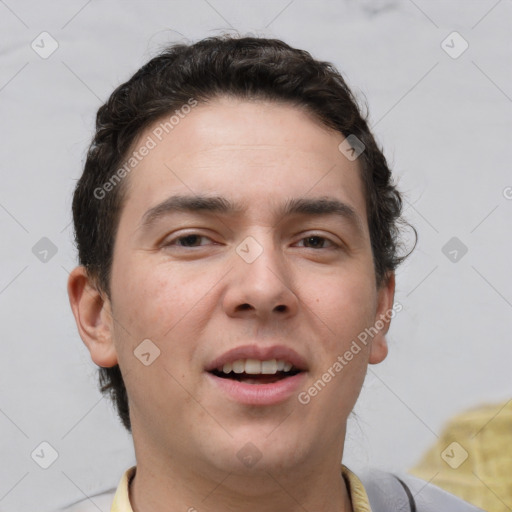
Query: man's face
(198, 283)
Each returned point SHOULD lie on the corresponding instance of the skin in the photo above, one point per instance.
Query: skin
(199, 300)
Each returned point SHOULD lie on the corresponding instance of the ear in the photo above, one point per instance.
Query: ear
(93, 317)
(386, 294)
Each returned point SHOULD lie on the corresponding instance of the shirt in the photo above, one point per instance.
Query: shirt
(356, 491)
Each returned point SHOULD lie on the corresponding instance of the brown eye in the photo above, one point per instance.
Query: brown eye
(316, 242)
(192, 240)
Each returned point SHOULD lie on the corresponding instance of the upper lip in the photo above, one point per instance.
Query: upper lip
(260, 353)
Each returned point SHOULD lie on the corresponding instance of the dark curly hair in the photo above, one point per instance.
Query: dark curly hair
(240, 67)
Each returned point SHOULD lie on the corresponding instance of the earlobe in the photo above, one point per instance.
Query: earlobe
(379, 346)
(93, 317)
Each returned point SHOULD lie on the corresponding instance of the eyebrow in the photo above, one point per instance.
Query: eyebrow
(216, 204)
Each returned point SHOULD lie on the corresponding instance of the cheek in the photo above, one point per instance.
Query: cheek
(148, 297)
(161, 306)
(159, 302)
(344, 302)
(342, 313)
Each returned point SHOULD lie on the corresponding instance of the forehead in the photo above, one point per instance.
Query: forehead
(251, 152)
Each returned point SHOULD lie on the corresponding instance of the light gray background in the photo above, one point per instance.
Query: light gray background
(445, 125)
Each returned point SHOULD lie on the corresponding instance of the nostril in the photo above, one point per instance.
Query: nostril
(282, 307)
(244, 307)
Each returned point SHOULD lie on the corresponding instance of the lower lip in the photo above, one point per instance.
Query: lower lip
(259, 394)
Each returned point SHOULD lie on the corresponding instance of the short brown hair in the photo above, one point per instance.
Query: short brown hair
(241, 67)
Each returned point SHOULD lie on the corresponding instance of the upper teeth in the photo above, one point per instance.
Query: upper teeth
(255, 367)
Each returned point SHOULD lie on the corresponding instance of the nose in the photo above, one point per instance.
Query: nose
(260, 288)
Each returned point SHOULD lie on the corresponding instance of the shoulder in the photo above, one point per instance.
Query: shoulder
(101, 502)
(403, 493)
(112, 499)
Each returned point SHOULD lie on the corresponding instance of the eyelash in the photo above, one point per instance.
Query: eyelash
(172, 241)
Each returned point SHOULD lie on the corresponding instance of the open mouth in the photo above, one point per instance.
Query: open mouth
(258, 382)
(248, 378)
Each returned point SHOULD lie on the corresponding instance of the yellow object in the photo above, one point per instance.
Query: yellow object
(473, 457)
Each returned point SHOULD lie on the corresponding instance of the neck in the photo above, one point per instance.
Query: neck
(159, 487)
